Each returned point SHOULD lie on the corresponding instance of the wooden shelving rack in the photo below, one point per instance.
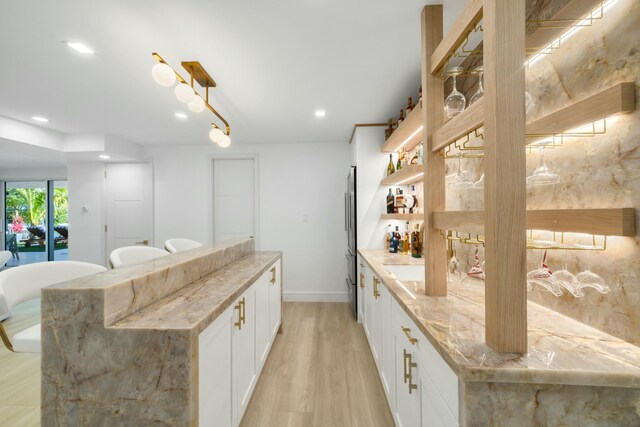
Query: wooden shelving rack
(403, 217)
(505, 219)
(408, 134)
(407, 175)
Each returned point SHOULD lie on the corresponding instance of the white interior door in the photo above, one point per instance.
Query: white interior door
(233, 199)
(129, 205)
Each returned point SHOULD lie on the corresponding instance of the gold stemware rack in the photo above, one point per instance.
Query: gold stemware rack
(502, 226)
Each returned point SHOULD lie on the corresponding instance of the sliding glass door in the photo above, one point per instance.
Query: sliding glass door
(36, 215)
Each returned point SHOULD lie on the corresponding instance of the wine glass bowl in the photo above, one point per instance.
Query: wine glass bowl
(480, 92)
(455, 102)
(460, 180)
(542, 176)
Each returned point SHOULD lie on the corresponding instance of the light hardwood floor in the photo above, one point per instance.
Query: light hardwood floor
(320, 373)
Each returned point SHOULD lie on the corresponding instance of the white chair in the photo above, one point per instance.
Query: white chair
(129, 255)
(23, 283)
(5, 256)
(179, 245)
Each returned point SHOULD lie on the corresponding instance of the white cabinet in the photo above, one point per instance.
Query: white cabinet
(360, 291)
(421, 388)
(275, 298)
(263, 329)
(233, 349)
(215, 381)
(244, 350)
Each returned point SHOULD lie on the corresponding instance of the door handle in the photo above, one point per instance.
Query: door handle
(376, 294)
(361, 280)
(239, 322)
(409, 364)
(273, 275)
(144, 242)
(407, 332)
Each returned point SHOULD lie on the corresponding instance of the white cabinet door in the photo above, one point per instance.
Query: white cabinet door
(244, 351)
(368, 303)
(263, 332)
(388, 371)
(275, 298)
(360, 292)
(215, 382)
(408, 400)
(435, 412)
(376, 329)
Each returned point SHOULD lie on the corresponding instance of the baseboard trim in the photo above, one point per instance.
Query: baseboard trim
(316, 296)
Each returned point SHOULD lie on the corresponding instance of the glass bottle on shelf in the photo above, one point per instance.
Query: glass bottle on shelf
(420, 97)
(416, 244)
(414, 203)
(406, 240)
(401, 118)
(389, 130)
(399, 200)
(390, 168)
(390, 202)
(410, 106)
(399, 163)
(400, 240)
(387, 238)
(393, 242)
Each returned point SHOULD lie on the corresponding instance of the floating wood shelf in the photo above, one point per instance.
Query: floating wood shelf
(403, 217)
(602, 222)
(470, 15)
(408, 134)
(616, 99)
(407, 175)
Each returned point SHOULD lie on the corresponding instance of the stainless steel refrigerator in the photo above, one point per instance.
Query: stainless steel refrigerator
(350, 228)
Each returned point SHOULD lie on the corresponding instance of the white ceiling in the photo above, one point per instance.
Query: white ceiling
(275, 63)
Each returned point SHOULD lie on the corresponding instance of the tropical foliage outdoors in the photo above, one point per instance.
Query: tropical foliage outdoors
(29, 205)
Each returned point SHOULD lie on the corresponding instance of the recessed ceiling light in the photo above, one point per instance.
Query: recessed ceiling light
(321, 113)
(40, 119)
(80, 48)
(104, 156)
(181, 116)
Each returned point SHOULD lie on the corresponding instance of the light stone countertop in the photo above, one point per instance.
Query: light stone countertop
(198, 304)
(562, 350)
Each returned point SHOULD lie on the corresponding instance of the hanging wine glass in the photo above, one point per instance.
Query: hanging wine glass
(479, 184)
(542, 176)
(455, 102)
(589, 279)
(542, 277)
(453, 268)
(480, 92)
(460, 181)
(476, 272)
(565, 279)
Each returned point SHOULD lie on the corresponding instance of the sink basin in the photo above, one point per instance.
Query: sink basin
(413, 273)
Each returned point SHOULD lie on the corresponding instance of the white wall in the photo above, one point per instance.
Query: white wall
(294, 180)
(33, 174)
(87, 237)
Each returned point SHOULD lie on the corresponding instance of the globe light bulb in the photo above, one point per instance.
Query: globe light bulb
(196, 105)
(226, 141)
(184, 93)
(163, 74)
(216, 135)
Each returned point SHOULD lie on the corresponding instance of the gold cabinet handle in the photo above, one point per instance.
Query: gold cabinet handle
(273, 275)
(407, 331)
(239, 322)
(144, 242)
(361, 280)
(244, 311)
(408, 371)
(376, 294)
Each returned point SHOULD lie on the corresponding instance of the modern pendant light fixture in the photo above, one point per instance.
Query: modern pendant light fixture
(186, 93)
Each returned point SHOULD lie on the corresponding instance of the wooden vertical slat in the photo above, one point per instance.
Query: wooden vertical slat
(434, 190)
(504, 163)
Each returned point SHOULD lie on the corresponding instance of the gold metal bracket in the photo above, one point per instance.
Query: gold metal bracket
(198, 75)
(557, 139)
(559, 244)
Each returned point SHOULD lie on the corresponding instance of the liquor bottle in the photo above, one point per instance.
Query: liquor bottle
(390, 202)
(401, 118)
(409, 106)
(390, 168)
(403, 157)
(416, 244)
(389, 130)
(420, 98)
(393, 243)
(414, 204)
(399, 200)
(397, 237)
(387, 238)
(398, 163)
(406, 240)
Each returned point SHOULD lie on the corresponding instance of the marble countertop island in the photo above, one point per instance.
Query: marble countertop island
(121, 347)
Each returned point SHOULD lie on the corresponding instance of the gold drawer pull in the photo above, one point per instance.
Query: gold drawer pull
(361, 280)
(376, 282)
(239, 322)
(244, 311)
(273, 275)
(411, 339)
(408, 371)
